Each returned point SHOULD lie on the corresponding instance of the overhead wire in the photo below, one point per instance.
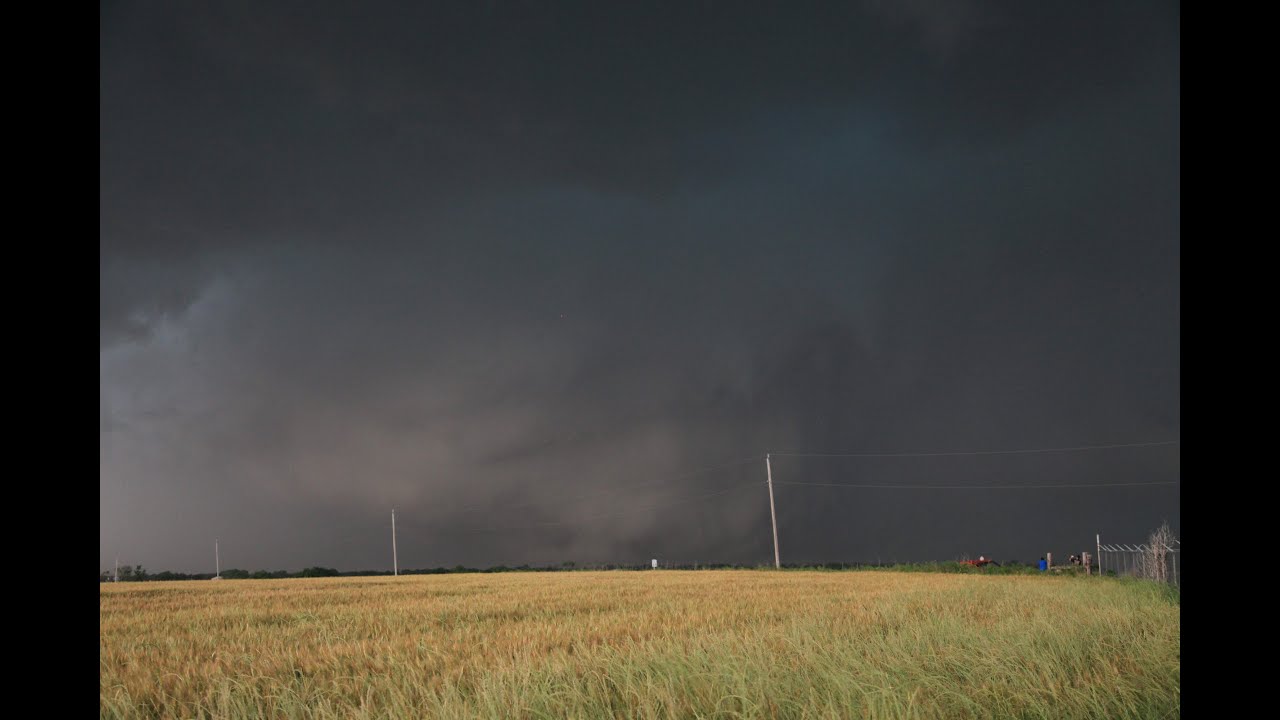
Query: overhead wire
(979, 452)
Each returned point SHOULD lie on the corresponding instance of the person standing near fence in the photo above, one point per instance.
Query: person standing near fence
(1042, 566)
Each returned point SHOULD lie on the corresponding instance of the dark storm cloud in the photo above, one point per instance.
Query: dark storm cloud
(507, 267)
(283, 115)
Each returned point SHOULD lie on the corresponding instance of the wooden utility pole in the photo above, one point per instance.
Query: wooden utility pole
(217, 560)
(395, 561)
(1098, 541)
(773, 516)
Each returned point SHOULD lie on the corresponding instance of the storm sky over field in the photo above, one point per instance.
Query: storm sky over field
(519, 269)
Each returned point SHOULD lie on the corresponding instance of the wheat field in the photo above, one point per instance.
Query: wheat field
(656, 644)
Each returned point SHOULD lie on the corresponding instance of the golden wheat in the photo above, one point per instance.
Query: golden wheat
(653, 644)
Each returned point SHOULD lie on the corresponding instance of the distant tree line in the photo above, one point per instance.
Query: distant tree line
(137, 573)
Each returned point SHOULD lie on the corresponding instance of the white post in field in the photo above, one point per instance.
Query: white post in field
(768, 468)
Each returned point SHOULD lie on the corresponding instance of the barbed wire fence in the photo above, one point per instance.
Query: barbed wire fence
(1156, 559)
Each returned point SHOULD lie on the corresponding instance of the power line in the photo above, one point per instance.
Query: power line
(1077, 448)
(549, 525)
(981, 452)
(481, 507)
(708, 469)
(682, 501)
(416, 529)
(674, 478)
(972, 487)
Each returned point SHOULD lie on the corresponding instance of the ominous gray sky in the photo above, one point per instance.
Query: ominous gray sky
(518, 268)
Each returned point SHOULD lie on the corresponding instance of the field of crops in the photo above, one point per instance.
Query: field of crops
(659, 644)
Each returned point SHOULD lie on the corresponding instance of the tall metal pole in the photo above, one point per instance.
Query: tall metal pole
(395, 561)
(117, 578)
(1098, 539)
(773, 516)
(217, 559)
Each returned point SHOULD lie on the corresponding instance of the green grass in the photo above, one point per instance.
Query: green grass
(714, 644)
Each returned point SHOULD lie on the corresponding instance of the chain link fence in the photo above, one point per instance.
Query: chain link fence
(1157, 559)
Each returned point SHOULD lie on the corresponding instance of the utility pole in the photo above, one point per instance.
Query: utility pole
(768, 468)
(1098, 541)
(395, 561)
(117, 577)
(217, 559)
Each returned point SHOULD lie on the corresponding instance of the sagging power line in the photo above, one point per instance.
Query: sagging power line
(769, 482)
(481, 507)
(975, 487)
(777, 560)
(1077, 448)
